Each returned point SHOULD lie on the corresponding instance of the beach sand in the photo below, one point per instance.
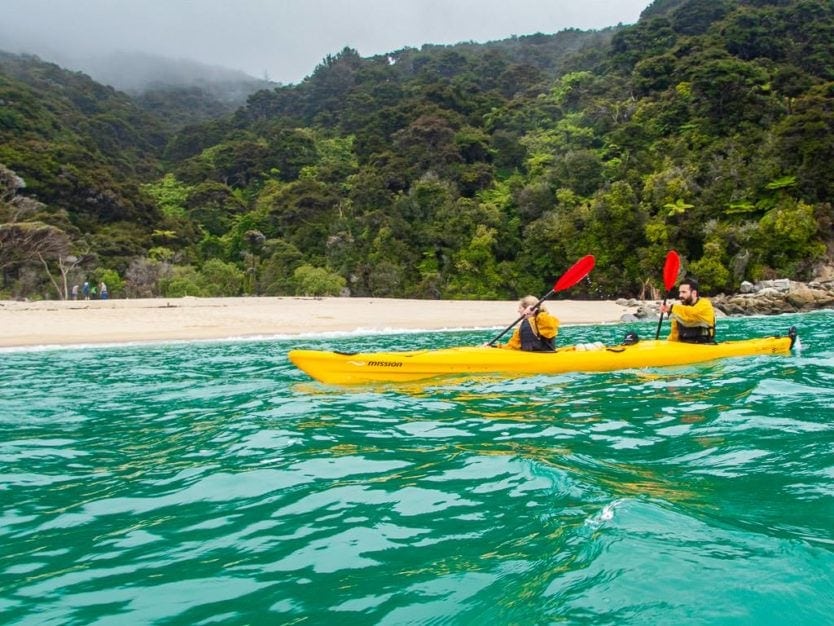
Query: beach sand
(166, 319)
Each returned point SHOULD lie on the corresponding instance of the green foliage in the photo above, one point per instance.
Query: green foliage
(119, 243)
(678, 207)
(221, 279)
(336, 159)
(170, 195)
(214, 279)
(788, 238)
(728, 93)
(317, 281)
(213, 206)
(184, 281)
(276, 272)
(712, 275)
(475, 274)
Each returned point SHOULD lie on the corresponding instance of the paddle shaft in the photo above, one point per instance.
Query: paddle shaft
(660, 321)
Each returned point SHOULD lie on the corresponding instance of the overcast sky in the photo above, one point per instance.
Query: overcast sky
(284, 40)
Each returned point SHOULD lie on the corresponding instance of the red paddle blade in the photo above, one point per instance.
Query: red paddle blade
(671, 269)
(577, 272)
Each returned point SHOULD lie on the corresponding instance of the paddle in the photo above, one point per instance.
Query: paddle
(577, 272)
(670, 275)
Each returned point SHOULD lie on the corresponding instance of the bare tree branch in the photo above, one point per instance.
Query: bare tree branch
(27, 242)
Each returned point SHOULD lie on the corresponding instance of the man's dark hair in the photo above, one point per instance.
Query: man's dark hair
(693, 284)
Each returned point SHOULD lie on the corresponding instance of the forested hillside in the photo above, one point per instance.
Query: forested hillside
(466, 171)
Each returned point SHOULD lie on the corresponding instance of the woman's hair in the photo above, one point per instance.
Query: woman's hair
(527, 301)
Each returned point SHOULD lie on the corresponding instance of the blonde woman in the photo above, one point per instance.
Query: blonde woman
(537, 331)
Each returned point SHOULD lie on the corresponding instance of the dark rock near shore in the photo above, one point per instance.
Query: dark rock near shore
(770, 297)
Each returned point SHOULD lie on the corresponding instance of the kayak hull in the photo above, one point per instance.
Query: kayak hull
(341, 368)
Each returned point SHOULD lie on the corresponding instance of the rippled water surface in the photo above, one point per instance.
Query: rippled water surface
(213, 483)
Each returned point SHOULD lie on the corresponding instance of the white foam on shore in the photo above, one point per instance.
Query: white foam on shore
(339, 334)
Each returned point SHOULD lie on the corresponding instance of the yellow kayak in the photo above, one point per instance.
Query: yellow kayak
(342, 368)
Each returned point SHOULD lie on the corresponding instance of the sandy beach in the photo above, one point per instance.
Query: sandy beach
(165, 319)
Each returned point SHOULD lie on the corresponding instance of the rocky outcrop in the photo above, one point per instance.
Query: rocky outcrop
(770, 297)
(767, 297)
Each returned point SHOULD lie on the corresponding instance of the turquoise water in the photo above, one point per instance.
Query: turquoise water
(213, 483)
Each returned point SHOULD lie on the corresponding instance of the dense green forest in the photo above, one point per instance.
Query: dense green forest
(473, 171)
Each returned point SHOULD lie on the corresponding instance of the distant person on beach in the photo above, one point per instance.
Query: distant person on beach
(74, 292)
(693, 319)
(85, 290)
(102, 290)
(537, 331)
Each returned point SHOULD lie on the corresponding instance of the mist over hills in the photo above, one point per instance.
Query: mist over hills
(135, 72)
(178, 92)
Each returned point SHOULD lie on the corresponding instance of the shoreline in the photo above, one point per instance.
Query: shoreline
(82, 322)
